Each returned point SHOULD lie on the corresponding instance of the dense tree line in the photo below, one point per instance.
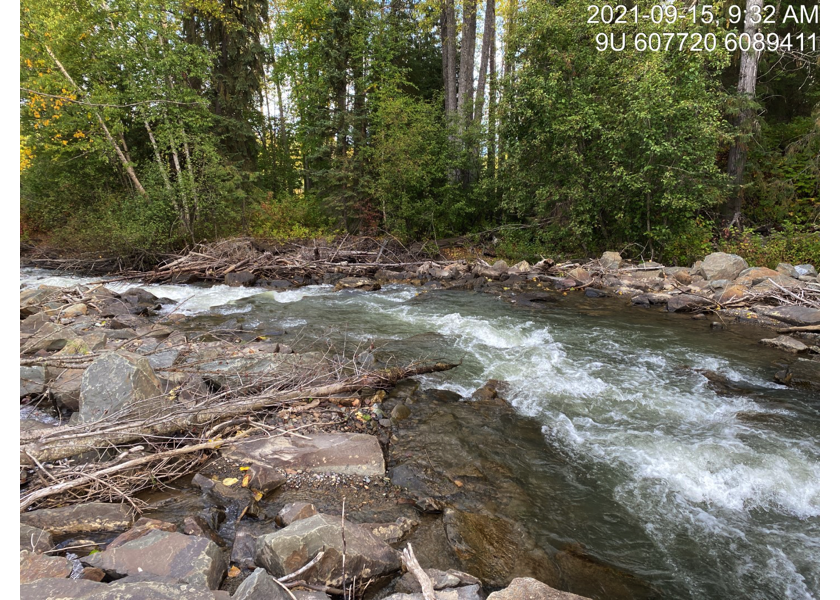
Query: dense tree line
(157, 123)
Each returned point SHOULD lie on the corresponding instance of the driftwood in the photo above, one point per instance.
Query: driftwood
(411, 565)
(64, 442)
(85, 478)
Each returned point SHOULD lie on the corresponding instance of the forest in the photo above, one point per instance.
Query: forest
(153, 125)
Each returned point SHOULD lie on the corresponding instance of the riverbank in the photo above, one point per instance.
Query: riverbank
(722, 288)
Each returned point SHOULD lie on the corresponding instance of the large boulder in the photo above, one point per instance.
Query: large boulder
(177, 557)
(733, 293)
(720, 265)
(788, 270)
(80, 518)
(289, 549)
(120, 381)
(611, 261)
(347, 453)
(526, 588)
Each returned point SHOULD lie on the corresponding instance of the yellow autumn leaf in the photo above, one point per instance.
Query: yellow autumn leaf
(246, 480)
(244, 468)
(229, 481)
(257, 495)
(233, 571)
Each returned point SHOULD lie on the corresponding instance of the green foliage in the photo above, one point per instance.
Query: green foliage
(615, 147)
(794, 244)
(292, 216)
(785, 172)
(410, 158)
(158, 123)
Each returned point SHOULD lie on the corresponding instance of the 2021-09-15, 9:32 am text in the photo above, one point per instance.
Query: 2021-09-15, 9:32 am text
(699, 28)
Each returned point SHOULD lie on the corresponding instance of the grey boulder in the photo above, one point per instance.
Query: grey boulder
(289, 549)
(720, 265)
(181, 558)
(119, 381)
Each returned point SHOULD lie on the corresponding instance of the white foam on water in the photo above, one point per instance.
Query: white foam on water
(189, 299)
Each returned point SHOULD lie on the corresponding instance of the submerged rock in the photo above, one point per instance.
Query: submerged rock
(357, 283)
(495, 548)
(584, 574)
(289, 549)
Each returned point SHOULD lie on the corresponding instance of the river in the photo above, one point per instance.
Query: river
(702, 491)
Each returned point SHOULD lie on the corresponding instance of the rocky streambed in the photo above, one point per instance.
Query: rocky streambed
(577, 444)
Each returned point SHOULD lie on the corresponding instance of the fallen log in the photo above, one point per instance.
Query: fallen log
(811, 328)
(64, 442)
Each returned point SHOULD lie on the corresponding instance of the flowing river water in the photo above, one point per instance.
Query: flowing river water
(702, 491)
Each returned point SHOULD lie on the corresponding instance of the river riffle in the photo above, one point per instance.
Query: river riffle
(623, 444)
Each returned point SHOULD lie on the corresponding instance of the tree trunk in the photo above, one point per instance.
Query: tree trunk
(491, 111)
(448, 30)
(744, 123)
(158, 159)
(487, 47)
(467, 66)
(126, 163)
